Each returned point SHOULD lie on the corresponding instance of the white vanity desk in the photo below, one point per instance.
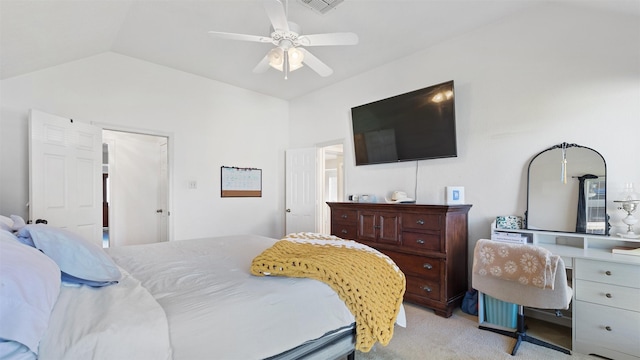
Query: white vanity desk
(605, 319)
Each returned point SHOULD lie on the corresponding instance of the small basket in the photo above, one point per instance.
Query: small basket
(509, 222)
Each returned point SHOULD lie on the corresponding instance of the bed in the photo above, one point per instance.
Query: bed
(191, 299)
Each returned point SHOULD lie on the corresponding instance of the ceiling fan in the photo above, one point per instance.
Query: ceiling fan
(289, 53)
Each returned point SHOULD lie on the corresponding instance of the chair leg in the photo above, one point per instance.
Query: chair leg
(521, 335)
(521, 330)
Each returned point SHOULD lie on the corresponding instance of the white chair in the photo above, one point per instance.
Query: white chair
(513, 291)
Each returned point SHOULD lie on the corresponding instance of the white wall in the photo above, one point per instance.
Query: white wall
(210, 124)
(523, 84)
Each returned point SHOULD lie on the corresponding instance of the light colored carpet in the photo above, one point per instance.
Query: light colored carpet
(428, 336)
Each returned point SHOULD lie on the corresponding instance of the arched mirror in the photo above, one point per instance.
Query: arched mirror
(567, 190)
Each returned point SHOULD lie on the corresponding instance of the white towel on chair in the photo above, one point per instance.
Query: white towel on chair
(526, 264)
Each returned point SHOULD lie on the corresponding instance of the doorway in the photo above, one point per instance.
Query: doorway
(331, 178)
(135, 188)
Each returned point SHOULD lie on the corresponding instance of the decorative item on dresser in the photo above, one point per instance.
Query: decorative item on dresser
(427, 242)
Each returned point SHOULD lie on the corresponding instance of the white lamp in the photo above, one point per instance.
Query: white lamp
(629, 204)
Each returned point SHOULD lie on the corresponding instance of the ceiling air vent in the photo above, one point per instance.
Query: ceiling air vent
(321, 6)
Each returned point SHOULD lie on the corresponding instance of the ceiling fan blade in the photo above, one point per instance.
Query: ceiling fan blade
(263, 65)
(276, 14)
(242, 37)
(315, 64)
(328, 39)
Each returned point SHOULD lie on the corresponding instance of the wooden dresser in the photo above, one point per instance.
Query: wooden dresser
(427, 242)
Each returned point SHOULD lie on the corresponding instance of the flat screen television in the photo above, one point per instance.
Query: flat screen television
(417, 125)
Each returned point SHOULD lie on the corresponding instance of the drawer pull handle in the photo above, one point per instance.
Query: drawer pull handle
(427, 266)
(426, 288)
(344, 216)
(608, 328)
(608, 295)
(420, 222)
(344, 231)
(420, 241)
(608, 273)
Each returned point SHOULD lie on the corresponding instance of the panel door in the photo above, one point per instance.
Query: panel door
(65, 176)
(388, 225)
(367, 226)
(301, 191)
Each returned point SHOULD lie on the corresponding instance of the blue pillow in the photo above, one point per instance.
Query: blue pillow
(24, 236)
(84, 262)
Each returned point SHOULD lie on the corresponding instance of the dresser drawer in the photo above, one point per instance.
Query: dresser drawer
(344, 231)
(425, 267)
(422, 287)
(609, 295)
(607, 272)
(607, 327)
(421, 241)
(344, 216)
(421, 221)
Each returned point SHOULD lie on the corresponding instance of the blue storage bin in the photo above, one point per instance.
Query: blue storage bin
(500, 312)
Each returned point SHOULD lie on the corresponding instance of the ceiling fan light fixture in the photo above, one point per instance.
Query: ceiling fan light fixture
(295, 58)
(276, 59)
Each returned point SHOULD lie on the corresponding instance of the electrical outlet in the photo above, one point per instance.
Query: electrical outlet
(193, 184)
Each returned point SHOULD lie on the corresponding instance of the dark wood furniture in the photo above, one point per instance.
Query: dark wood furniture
(427, 242)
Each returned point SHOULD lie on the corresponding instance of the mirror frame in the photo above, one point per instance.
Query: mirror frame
(566, 145)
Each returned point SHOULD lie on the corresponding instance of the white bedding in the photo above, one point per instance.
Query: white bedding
(198, 300)
(215, 306)
(121, 321)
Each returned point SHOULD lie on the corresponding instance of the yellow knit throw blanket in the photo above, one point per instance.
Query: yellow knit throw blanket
(369, 283)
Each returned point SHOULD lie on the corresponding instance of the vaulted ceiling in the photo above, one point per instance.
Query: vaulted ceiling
(35, 35)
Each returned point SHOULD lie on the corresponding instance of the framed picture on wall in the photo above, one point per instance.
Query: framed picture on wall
(240, 182)
(455, 195)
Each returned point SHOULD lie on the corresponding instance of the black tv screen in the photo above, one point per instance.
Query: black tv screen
(414, 126)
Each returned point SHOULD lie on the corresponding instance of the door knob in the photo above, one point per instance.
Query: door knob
(288, 210)
(159, 211)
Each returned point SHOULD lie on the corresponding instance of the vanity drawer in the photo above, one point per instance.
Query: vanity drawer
(608, 272)
(425, 267)
(423, 288)
(421, 221)
(421, 241)
(608, 295)
(607, 327)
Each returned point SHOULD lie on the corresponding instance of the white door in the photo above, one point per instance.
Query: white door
(300, 190)
(163, 191)
(138, 194)
(65, 174)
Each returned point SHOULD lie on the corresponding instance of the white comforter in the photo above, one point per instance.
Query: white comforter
(121, 321)
(203, 290)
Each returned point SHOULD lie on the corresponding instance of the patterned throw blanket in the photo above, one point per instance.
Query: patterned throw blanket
(369, 283)
(526, 264)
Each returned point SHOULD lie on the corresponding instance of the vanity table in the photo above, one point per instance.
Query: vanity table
(567, 215)
(605, 312)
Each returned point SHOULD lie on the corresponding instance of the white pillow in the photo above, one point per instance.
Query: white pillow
(18, 222)
(5, 223)
(74, 255)
(29, 288)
